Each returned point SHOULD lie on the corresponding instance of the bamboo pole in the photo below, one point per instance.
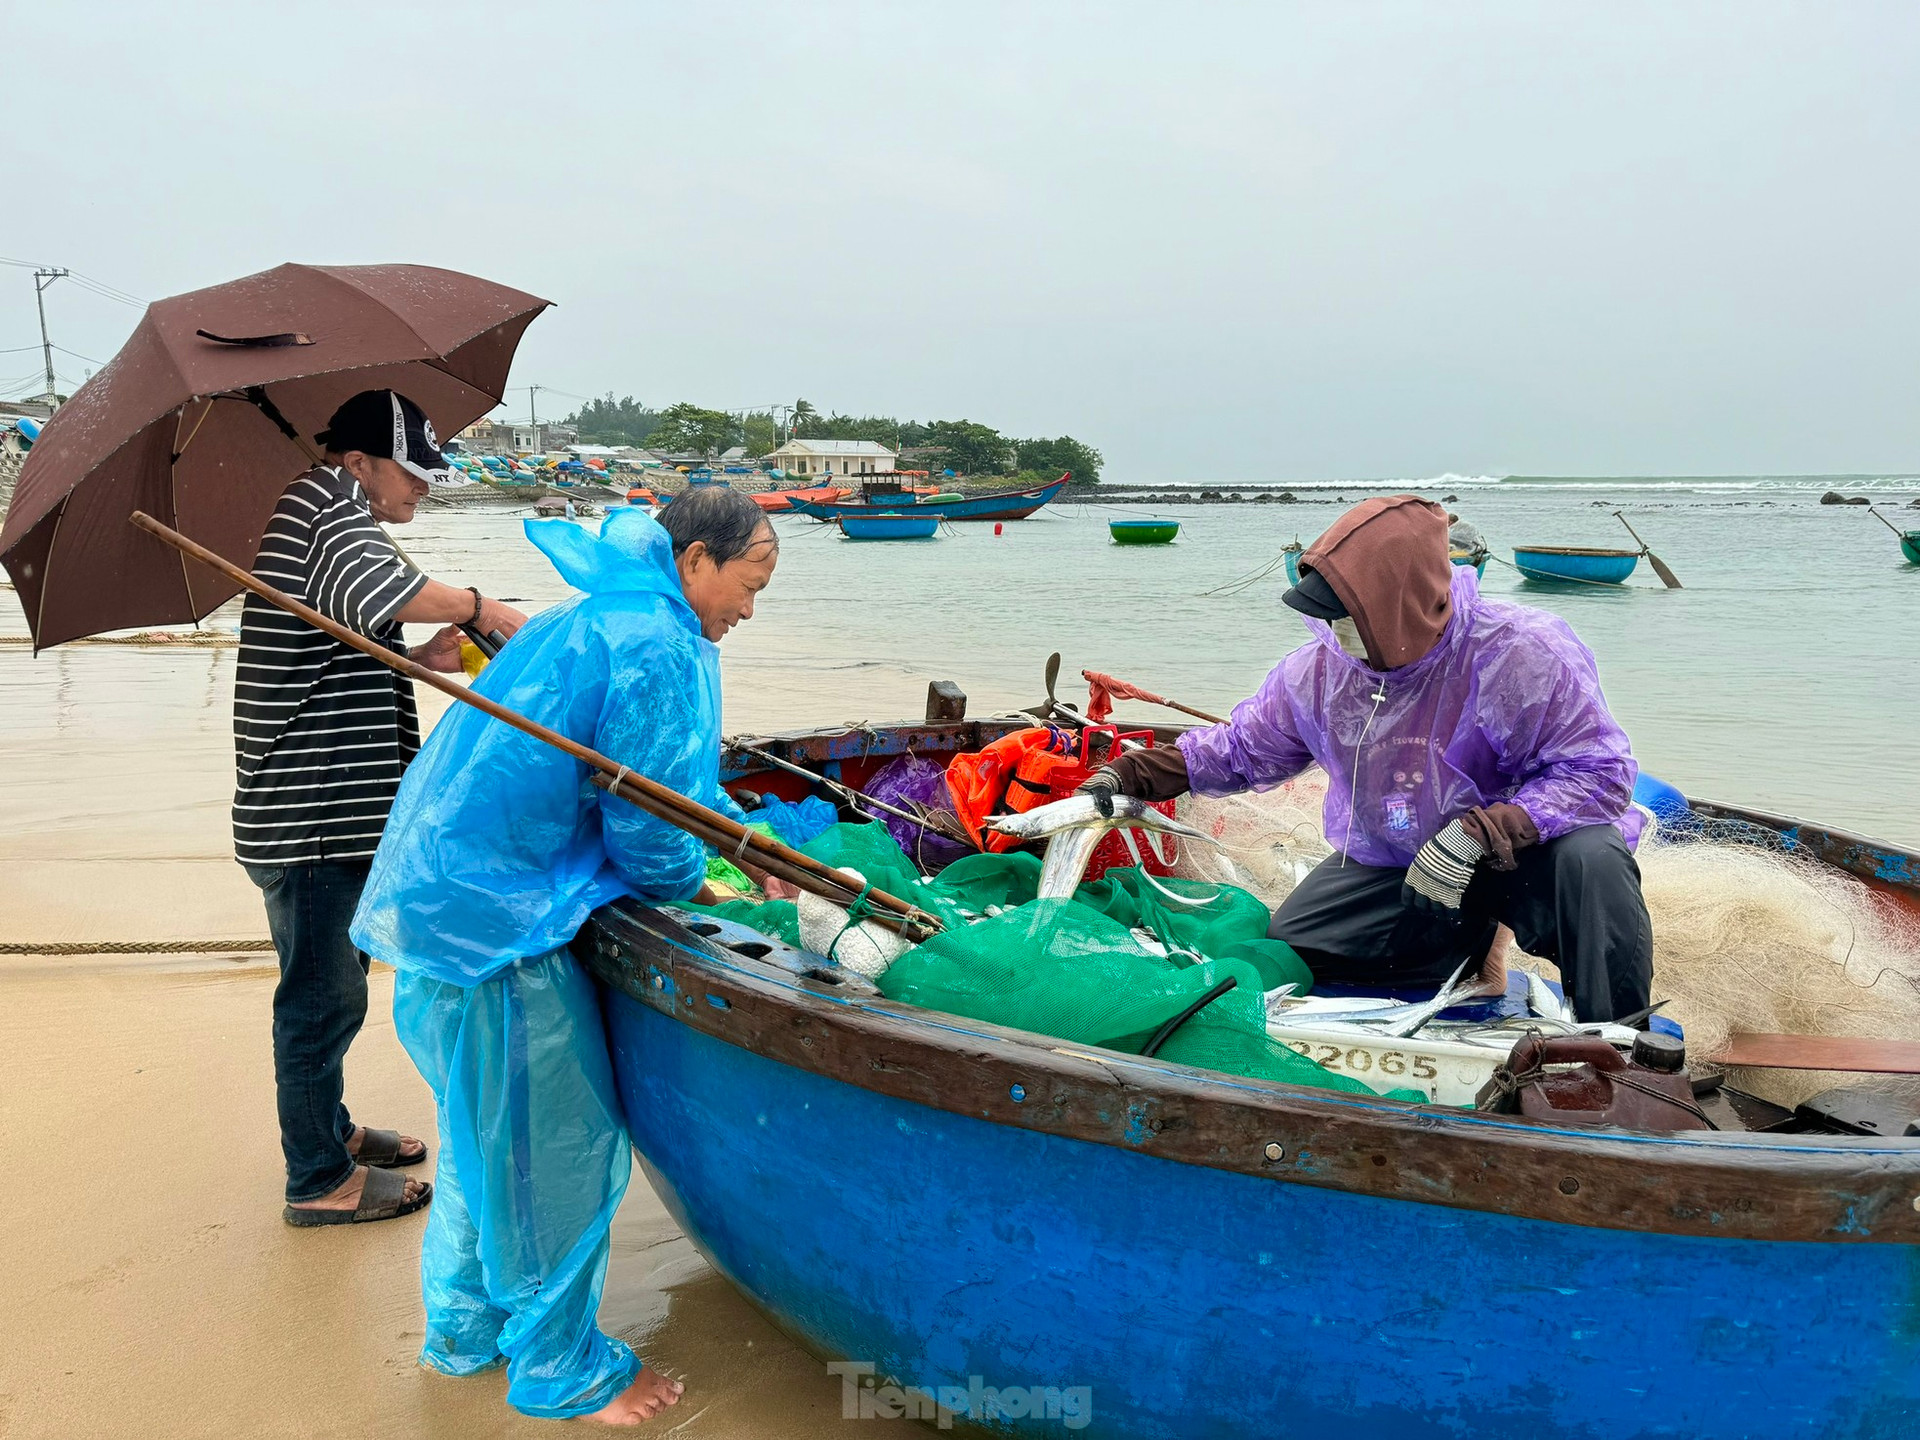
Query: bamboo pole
(728, 835)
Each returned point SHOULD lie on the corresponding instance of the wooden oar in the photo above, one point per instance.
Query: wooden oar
(1886, 522)
(1860, 1054)
(1667, 577)
(729, 836)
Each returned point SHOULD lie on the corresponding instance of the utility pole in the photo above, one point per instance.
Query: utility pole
(41, 280)
(533, 417)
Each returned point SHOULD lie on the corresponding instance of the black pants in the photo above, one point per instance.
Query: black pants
(318, 1008)
(1575, 901)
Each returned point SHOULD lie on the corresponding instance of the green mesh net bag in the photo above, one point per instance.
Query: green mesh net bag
(1080, 970)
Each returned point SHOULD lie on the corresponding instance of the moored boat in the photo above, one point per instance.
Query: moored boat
(1577, 563)
(888, 527)
(1910, 546)
(1167, 1251)
(1476, 558)
(779, 501)
(1143, 532)
(1003, 505)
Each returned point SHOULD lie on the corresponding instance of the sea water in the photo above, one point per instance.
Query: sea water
(1784, 676)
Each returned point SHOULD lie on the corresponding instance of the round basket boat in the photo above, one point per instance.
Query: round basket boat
(1143, 532)
(1594, 567)
(1910, 546)
(889, 527)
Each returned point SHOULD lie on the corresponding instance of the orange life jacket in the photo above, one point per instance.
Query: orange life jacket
(1010, 768)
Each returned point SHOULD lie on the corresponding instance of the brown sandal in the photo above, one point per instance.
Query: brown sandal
(382, 1197)
(381, 1149)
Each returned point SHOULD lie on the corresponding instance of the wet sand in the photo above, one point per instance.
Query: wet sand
(154, 1291)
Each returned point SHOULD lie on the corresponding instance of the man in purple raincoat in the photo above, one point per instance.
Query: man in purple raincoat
(1475, 776)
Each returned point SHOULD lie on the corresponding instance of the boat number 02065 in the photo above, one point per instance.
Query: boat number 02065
(1359, 1058)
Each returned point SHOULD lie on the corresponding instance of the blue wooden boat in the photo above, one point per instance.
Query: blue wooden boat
(1152, 1250)
(1005, 505)
(889, 527)
(1592, 567)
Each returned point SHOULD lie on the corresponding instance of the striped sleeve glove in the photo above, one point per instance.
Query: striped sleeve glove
(1441, 872)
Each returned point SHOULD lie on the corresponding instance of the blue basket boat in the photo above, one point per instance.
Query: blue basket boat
(1594, 567)
(889, 527)
(958, 1207)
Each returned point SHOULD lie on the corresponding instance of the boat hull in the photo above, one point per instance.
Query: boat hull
(888, 527)
(1598, 567)
(1162, 1299)
(1010, 505)
(1910, 546)
(1143, 532)
(777, 502)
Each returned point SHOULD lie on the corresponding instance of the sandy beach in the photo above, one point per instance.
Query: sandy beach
(156, 1292)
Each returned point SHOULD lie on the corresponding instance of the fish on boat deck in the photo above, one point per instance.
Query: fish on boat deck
(1073, 829)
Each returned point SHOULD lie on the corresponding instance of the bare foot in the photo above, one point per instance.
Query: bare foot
(347, 1196)
(1493, 969)
(649, 1394)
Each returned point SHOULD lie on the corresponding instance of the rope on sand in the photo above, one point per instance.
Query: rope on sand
(130, 947)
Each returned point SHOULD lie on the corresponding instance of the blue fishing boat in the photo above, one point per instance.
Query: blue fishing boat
(1576, 563)
(889, 527)
(1004, 505)
(1027, 1233)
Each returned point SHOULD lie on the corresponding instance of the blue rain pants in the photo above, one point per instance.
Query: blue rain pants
(533, 1162)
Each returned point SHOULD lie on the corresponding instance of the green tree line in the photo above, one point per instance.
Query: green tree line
(964, 446)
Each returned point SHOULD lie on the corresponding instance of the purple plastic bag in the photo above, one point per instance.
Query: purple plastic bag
(909, 782)
(1507, 707)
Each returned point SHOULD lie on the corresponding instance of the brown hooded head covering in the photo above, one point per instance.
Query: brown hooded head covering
(1387, 561)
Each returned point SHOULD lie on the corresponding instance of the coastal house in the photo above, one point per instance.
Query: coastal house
(833, 457)
(503, 437)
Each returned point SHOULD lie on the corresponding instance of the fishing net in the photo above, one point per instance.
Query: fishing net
(1760, 940)
(1109, 967)
(1748, 935)
(1268, 839)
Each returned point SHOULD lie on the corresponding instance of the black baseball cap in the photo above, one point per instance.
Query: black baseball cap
(386, 424)
(1314, 596)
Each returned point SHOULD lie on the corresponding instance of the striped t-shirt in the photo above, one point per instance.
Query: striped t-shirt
(321, 732)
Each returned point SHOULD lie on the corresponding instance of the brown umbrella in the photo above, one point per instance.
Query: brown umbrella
(202, 419)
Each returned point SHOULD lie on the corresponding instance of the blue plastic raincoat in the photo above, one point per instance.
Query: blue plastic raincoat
(1506, 707)
(497, 850)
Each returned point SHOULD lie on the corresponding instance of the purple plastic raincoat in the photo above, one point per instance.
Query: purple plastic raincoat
(1507, 707)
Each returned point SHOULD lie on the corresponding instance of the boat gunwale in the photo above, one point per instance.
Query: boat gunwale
(1581, 550)
(1729, 1185)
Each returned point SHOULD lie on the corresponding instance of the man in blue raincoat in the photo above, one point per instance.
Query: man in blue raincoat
(497, 851)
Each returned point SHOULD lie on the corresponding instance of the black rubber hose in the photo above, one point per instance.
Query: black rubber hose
(1165, 1032)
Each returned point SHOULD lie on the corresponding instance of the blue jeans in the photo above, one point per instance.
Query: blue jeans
(533, 1161)
(318, 1007)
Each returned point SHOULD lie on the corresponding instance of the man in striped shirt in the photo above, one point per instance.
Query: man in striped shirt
(322, 734)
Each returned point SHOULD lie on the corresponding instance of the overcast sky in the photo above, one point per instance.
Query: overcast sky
(1215, 241)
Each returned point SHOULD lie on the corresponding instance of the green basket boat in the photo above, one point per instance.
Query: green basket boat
(1910, 546)
(1143, 532)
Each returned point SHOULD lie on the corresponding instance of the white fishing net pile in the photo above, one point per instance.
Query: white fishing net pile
(1268, 840)
(1745, 939)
